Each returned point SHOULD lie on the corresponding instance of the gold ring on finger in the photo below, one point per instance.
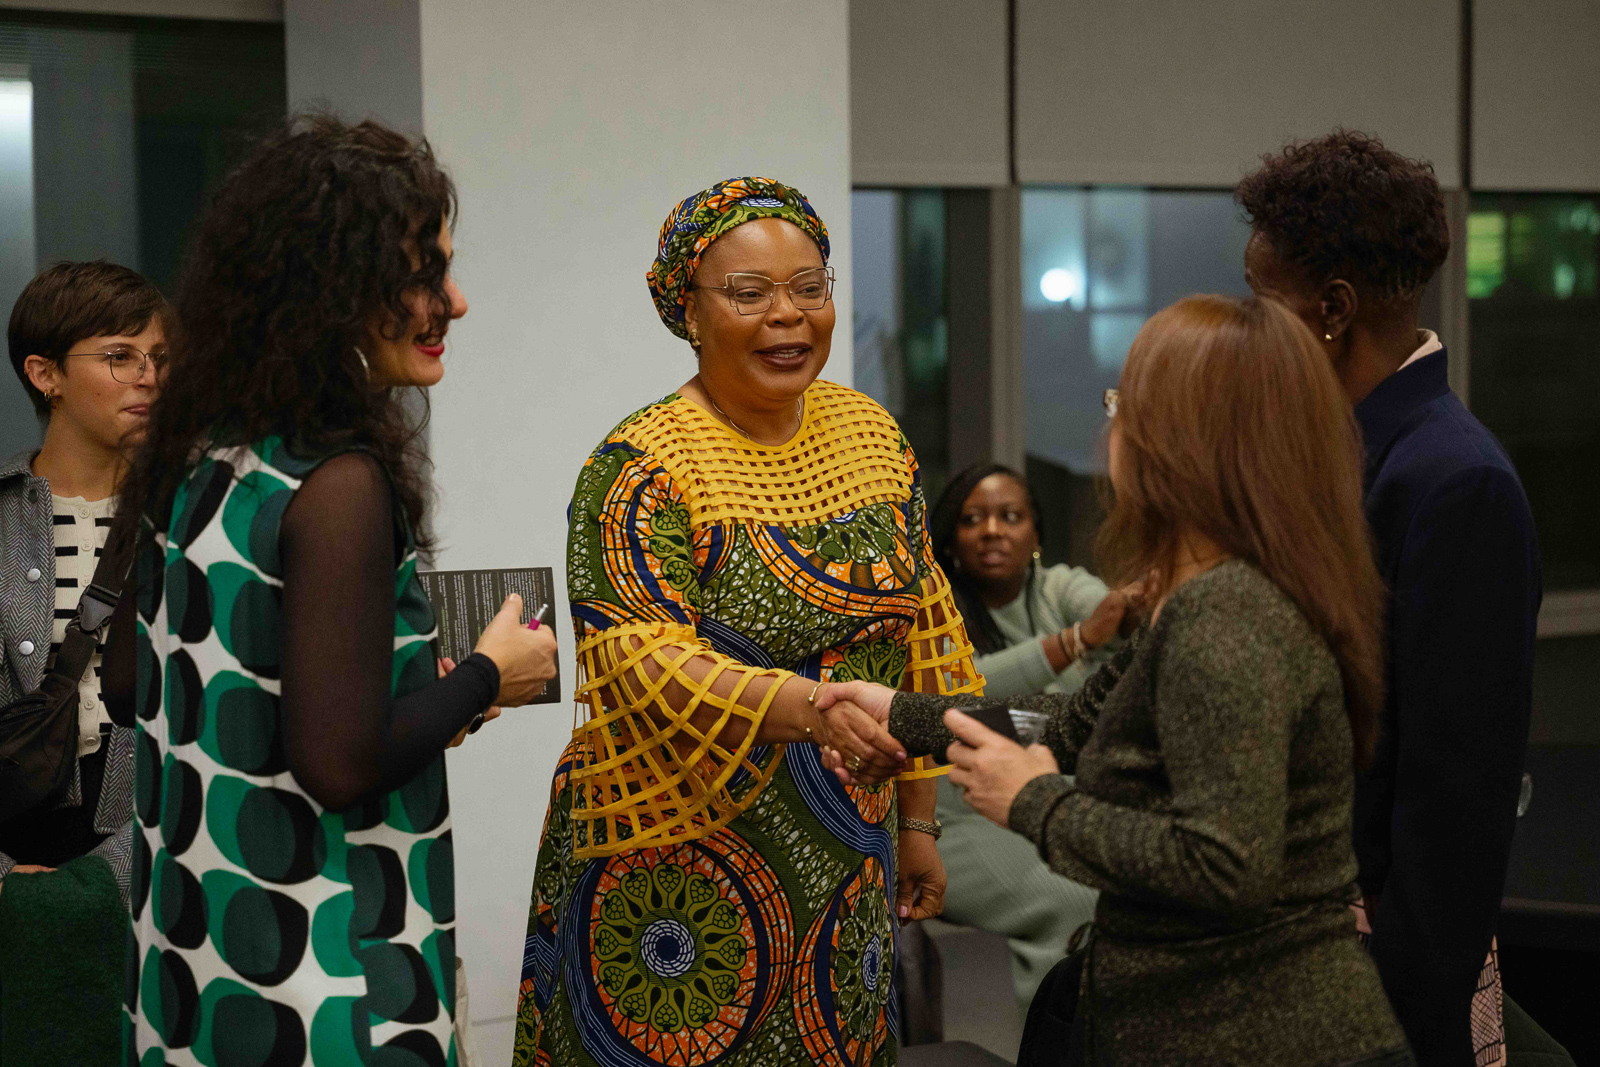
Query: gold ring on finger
(853, 763)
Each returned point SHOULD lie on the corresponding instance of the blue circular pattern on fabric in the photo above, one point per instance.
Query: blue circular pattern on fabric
(667, 948)
(594, 1026)
(871, 959)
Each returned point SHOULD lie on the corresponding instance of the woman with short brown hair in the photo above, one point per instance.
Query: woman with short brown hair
(1214, 757)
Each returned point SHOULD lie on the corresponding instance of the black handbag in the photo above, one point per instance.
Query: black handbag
(39, 731)
(1055, 1033)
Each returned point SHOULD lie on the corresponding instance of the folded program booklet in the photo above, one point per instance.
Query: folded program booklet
(465, 601)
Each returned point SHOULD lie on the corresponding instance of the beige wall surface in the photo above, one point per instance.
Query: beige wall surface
(1165, 92)
(1535, 95)
(571, 130)
(362, 58)
(928, 92)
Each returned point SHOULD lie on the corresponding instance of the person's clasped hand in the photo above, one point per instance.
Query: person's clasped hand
(991, 770)
(526, 658)
(859, 741)
(854, 741)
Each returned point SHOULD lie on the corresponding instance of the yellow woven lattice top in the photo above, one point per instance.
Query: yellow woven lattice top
(847, 453)
(667, 747)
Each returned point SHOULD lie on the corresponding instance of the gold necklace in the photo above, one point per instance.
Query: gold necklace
(798, 416)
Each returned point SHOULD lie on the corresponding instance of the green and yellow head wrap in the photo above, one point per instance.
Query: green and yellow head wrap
(704, 217)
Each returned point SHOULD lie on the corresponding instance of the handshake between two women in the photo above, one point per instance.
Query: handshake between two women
(858, 743)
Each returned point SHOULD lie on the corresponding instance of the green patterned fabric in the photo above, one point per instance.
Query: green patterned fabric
(702, 218)
(268, 930)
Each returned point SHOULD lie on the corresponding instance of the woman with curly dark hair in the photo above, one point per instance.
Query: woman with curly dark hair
(294, 884)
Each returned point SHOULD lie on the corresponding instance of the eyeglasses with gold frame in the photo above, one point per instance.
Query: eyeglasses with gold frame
(126, 363)
(752, 294)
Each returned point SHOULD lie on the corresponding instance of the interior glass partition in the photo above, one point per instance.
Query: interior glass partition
(1097, 262)
(112, 130)
(1533, 285)
(901, 328)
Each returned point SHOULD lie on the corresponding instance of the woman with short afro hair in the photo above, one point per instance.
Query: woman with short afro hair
(1348, 234)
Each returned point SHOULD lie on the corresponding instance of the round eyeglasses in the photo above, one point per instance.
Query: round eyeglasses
(126, 363)
(752, 294)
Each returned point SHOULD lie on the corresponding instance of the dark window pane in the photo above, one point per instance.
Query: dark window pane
(1533, 278)
(901, 326)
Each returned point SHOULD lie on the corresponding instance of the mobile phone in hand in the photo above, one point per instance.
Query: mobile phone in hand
(996, 717)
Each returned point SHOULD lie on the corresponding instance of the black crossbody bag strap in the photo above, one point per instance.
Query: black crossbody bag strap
(95, 608)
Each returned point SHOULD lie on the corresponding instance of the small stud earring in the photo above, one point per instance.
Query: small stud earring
(1327, 337)
(1037, 555)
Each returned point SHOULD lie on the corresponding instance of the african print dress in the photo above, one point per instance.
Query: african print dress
(700, 899)
(270, 931)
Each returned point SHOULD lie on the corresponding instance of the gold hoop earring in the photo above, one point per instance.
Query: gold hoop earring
(694, 338)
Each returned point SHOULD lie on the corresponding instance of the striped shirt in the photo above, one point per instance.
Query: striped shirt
(80, 528)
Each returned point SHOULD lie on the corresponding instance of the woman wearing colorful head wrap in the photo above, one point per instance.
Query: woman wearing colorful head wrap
(706, 891)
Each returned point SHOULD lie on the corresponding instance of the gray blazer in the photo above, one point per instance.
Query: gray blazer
(27, 611)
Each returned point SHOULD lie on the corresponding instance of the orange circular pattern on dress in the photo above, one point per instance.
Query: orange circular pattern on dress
(825, 1042)
(673, 939)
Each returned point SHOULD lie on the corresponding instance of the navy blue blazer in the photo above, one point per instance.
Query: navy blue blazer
(1434, 815)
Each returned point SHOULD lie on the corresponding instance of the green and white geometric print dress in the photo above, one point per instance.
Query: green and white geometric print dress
(269, 931)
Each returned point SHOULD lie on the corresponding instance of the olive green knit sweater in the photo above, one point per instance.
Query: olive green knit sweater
(1212, 810)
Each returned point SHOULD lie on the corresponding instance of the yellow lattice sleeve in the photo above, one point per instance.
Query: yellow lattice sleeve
(670, 731)
(939, 656)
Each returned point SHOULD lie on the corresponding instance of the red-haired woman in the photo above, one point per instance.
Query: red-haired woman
(1214, 757)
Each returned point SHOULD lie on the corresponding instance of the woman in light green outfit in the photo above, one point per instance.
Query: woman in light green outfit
(1037, 630)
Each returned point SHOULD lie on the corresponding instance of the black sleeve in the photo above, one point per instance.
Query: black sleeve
(117, 662)
(1464, 610)
(916, 720)
(345, 737)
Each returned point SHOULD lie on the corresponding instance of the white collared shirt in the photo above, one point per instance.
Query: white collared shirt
(1430, 345)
